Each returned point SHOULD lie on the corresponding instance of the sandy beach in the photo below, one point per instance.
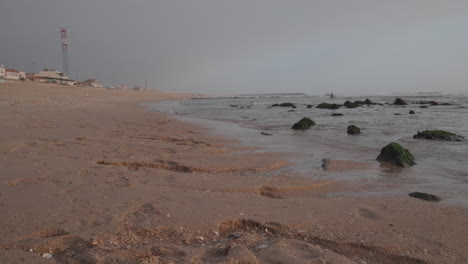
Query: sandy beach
(89, 176)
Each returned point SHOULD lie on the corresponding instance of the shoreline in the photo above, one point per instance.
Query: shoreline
(91, 176)
(352, 161)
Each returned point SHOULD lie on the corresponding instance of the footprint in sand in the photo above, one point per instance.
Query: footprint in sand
(368, 213)
(293, 251)
(121, 181)
(146, 215)
(270, 192)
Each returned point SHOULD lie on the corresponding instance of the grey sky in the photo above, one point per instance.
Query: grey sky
(246, 46)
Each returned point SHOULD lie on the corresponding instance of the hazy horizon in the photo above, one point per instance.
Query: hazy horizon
(246, 46)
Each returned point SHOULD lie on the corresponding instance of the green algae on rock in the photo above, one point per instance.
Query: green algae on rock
(400, 101)
(328, 106)
(350, 104)
(438, 135)
(394, 153)
(304, 123)
(284, 105)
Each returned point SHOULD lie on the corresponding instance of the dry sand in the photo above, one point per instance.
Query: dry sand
(90, 177)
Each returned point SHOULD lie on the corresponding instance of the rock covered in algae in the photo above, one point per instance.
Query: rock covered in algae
(353, 130)
(400, 101)
(328, 106)
(350, 104)
(425, 196)
(304, 123)
(394, 153)
(284, 105)
(438, 135)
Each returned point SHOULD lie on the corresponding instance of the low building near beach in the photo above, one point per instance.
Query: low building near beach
(2, 71)
(12, 74)
(51, 74)
(91, 83)
(121, 87)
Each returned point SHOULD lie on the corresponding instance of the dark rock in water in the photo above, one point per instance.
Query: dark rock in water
(432, 103)
(325, 163)
(292, 110)
(411, 112)
(350, 104)
(337, 114)
(394, 153)
(265, 134)
(309, 106)
(285, 105)
(425, 196)
(328, 106)
(428, 102)
(232, 105)
(359, 102)
(397, 114)
(353, 130)
(438, 135)
(304, 123)
(368, 102)
(423, 106)
(400, 101)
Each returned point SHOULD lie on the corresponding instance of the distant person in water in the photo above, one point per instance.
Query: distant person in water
(331, 95)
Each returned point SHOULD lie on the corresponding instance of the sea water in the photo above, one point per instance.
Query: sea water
(442, 167)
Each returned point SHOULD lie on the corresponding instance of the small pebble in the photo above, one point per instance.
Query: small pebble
(47, 255)
(234, 236)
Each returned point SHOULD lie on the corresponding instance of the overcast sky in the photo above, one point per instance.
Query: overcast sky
(246, 46)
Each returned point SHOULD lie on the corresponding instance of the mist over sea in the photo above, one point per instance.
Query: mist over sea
(442, 167)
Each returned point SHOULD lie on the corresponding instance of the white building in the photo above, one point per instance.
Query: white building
(91, 83)
(12, 74)
(52, 74)
(22, 75)
(2, 71)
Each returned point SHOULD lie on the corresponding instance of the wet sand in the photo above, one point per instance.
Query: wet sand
(90, 177)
